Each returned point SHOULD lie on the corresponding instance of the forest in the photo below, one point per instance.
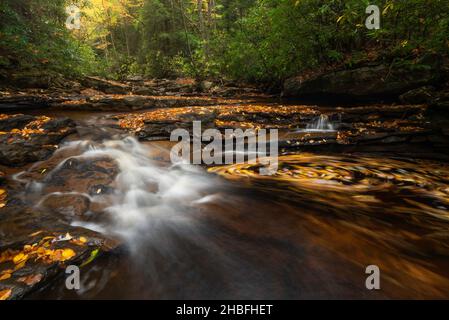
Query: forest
(249, 40)
(224, 150)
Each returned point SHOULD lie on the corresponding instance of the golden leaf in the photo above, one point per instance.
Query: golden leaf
(5, 294)
(5, 276)
(19, 258)
(67, 254)
(20, 266)
(36, 233)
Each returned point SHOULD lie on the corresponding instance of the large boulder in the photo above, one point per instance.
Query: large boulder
(374, 82)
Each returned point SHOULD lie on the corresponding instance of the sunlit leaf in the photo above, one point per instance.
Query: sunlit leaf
(5, 294)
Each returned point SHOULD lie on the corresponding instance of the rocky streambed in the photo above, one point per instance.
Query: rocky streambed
(86, 172)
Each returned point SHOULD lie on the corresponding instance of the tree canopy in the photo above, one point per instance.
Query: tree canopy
(251, 40)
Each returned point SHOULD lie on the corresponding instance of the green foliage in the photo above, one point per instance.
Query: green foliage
(252, 40)
(278, 39)
(33, 36)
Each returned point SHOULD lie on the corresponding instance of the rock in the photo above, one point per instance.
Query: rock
(135, 79)
(36, 80)
(418, 96)
(57, 124)
(67, 204)
(20, 102)
(106, 86)
(27, 230)
(438, 110)
(17, 155)
(136, 102)
(18, 121)
(364, 83)
(205, 86)
(144, 91)
(91, 176)
(31, 139)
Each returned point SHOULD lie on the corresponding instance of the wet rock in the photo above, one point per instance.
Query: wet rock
(206, 86)
(21, 102)
(106, 86)
(18, 121)
(144, 91)
(418, 96)
(160, 129)
(136, 102)
(56, 124)
(67, 204)
(19, 154)
(91, 176)
(135, 79)
(36, 246)
(36, 79)
(366, 83)
(32, 141)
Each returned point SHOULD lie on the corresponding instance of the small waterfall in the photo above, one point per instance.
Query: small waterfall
(321, 124)
(147, 198)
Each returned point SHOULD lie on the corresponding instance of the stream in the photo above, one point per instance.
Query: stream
(226, 232)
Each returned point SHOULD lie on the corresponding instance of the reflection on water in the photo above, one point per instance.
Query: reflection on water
(408, 188)
(369, 210)
(307, 232)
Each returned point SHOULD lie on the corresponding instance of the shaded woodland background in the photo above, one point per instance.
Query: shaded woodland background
(261, 41)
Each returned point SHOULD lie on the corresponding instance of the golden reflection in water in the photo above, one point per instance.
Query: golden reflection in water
(368, 210)
(359, 181)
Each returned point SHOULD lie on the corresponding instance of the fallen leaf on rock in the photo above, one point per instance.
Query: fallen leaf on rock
(5, 276)
(20, 266)
(61, 238)
(5, 294)
(7, 255)
(68, 254)
(38, 251)
(3, 195)
(31, 280)
(19, 258)
(92, 257)
(36, 233)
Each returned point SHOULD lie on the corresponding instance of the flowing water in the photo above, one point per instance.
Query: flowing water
(321, 124)
(309, 231)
